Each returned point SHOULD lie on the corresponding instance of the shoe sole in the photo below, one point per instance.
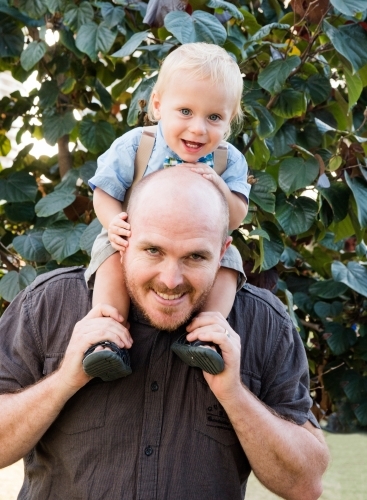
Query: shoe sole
(106, 365)
(199, 357)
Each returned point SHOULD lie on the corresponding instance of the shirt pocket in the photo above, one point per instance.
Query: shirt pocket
(210, 416)
(86, 410)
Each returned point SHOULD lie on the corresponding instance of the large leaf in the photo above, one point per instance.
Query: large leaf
(90, 234)
(266, 30)
(317, 87)
(96, 136)
(326, 310)
(63, 239)
(88, 170)
(274, 76)
(11, 38)
(337, 195)
(142, 92)
(33, 8)
(30, 246)
(354, 85)
(297, 173)
(284, 139)
(262, 192)
(295, 215)
(354, 275)
(48, 94)
(222, 5)
(265, 121)
(350, 41)
(273, 248)
(93, 38)
(104, 95)
(33, 54)
(112, 15)
(359, 189)
(77, 15)
(55, 126)
(20, 212)
(54, 202)
(18, 187)
(12, 283)
(199, 27)
(361, 413)
(290, 103)
(327, 289)
(131, 45)
(338, 337)
(349, 7)
(5, 145)
(56, 5)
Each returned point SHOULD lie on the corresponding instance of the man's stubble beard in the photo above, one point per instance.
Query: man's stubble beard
(166, 325)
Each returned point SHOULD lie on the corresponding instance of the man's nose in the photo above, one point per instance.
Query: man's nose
(171, 274)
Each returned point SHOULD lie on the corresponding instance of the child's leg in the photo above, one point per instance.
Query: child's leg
(222, 295)
(109, 286)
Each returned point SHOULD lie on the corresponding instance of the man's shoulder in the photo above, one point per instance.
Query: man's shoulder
(251, 296)
(75, 273)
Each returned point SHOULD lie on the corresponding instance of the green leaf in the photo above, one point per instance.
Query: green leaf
(354, 85)
(54, 202)
(266, 30)
(273, 248)
(350, 41)
(68, 182)
(142, 92)
(5, 146)
(112, 16)
(295, 215)
(55, 126)
(354, 386)
(289, 301)
(11, 38)
(229, 7)
(67, 39)
(90, 234)
(266, 123)
(354, 275)
(297, 173)
(326, 310)
(284, 139)
(199, 27)
(56, 5)
(262, 192)
(131, 45)
(290, 103)
(96, 137)
(33, 54)
(250, 22)
(338, 337)
(103, 95)
(359, 189)
(20, 212)
(259, 232)
(18, 187)
(75, 16)
(93, 38)
(337, 195)
(63, 239)
(30, 246)
(349, 7)
(88, 170)
(317, 87)
(68, 86)
(361, 413)
(48, 94)
(12, 283)
(33, 8)
(327, 289)
(274, 76)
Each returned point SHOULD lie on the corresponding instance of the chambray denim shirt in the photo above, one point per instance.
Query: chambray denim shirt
(115, 170)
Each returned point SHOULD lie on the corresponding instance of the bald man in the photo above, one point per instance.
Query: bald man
(168, 431)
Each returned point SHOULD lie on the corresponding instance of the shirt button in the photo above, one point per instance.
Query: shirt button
(154, 387)
(148, 451)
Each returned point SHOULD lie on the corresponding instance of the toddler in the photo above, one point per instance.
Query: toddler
(196, 99)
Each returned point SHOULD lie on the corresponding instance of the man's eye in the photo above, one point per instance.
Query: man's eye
(185, 111)
(214, 118)
(196, 256)
(152, 251)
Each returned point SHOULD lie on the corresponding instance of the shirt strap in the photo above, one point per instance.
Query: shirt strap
(220, 158)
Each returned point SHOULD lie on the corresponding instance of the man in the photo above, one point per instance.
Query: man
(168, 431)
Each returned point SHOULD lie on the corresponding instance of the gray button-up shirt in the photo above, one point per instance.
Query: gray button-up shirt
(160, 433)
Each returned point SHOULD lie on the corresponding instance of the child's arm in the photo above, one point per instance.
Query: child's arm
(236, 203)
(222, 295)
(109, 214)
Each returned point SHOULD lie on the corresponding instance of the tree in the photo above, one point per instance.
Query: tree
(304, 137)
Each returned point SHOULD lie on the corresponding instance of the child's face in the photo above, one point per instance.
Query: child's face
(194, 115)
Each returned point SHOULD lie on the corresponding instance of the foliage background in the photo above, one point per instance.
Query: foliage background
(304, 137)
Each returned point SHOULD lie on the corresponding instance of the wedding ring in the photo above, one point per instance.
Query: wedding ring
(227, 333)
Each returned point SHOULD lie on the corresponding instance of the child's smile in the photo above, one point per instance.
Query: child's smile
(194, 114)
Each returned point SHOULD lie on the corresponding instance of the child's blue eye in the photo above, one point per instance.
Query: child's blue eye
(214, 118)
(185, 111)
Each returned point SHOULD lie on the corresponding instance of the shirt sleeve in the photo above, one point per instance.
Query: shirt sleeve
(235, 175)
(286, 379)
(115, 172)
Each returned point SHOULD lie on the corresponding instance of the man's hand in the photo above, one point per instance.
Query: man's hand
(118, 231)
(212, 327)
(103, 322)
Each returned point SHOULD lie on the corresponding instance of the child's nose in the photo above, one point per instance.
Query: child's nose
(197, 126)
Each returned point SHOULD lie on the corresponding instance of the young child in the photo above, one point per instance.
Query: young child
(196, 99)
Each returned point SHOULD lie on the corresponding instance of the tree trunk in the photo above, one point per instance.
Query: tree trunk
(65, 160)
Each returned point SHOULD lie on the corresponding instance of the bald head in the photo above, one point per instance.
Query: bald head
(179, 192)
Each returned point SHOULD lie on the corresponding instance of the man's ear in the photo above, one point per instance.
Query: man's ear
(156, 104)
(225, 246)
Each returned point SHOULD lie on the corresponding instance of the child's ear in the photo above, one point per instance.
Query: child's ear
(156, 105)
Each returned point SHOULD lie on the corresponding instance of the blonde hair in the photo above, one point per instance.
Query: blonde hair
(200, 61)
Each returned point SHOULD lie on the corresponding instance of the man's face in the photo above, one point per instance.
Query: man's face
(170, 268)
(194, 115)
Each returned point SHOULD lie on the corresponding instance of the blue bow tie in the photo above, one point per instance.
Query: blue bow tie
(169, 161)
